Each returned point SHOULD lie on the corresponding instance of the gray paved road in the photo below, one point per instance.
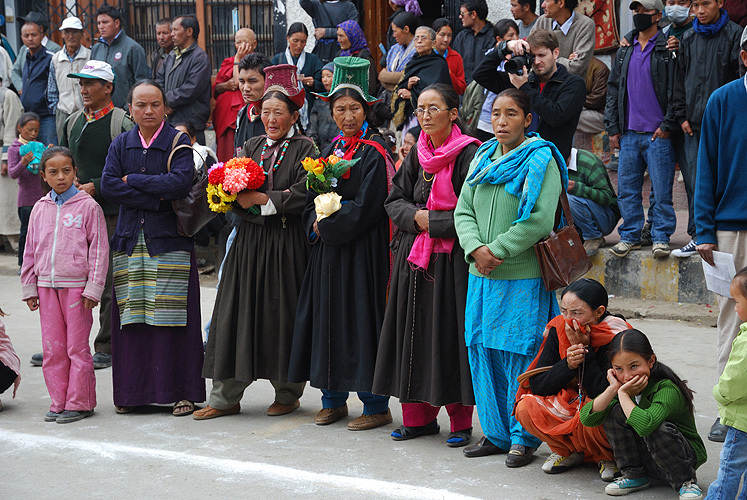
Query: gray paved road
(155, 455)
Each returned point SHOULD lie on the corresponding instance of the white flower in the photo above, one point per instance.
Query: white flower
(333, 182)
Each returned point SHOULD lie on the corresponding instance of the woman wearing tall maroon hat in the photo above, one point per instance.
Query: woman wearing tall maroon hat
(252, 322)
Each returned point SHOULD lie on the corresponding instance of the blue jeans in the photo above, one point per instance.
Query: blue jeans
(48, 131)
(731, 469)
(591, 219)
(636, 152)
(372, 403)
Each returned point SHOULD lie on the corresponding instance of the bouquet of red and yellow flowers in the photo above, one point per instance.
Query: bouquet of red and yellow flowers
(226, 181)
(322, 176)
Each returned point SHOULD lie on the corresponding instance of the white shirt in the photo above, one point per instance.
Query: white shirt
(566, 27)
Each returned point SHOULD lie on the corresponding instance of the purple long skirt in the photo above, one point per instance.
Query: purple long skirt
(156, 364)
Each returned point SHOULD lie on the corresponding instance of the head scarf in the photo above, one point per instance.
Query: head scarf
(411, 6)
(357, 39)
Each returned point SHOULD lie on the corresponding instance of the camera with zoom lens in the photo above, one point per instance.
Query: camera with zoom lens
(516, 64)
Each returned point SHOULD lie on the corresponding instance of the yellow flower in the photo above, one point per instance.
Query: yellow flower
(318, 168)
(215, 200)
(309, 163)
(225, 197)
(334, 159)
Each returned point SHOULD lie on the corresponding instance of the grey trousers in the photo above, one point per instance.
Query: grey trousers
(225, 394)
(664, 454)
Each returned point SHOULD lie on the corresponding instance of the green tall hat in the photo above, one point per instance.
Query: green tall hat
(350, 73)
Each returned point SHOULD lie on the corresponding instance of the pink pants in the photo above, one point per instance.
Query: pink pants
(420, 414)
(68, 365)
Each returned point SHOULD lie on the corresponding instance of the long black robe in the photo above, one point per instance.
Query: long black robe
(253, 317)
(422, 354)
(430, 68)
(342, 301)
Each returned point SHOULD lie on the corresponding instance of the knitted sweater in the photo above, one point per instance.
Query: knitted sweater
(580, 39)
(661, 401)
(591, 180)
(720, 203)
(29, 185)
(731, 391)
(485, 215)
(89, 146)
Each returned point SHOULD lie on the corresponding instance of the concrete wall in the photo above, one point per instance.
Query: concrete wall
(499, 9)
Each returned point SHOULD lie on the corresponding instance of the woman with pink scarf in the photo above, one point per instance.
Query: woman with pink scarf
(422, 357)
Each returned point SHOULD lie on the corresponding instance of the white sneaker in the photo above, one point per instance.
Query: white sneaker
(690, 491)
(556, 463)
(687, 251)
(608, 470)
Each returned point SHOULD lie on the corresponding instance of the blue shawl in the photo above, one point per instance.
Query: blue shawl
(521, 170)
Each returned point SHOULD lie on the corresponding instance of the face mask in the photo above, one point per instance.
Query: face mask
(642, 22)
(678, 14)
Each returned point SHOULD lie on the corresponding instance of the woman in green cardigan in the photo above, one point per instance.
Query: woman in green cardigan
(506, 205)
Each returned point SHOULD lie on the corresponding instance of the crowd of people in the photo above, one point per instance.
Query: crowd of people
(422, 283)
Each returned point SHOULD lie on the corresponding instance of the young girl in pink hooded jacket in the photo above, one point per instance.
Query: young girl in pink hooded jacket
(63, 275)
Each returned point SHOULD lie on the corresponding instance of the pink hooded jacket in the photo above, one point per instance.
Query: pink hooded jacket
(8, 356)
(66, 247)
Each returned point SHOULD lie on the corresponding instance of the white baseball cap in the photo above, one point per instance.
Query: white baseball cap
(96, 69)
(71, 23)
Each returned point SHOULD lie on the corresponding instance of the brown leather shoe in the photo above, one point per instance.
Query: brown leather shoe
(209, 412)
(483, 448)
(366, 422)
(277, 409)
(328, 416)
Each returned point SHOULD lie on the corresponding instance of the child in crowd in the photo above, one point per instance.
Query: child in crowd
(29, 184)
(731, 395)
(203, 155)
(63, 275)
(409, 140)
(647, 412)
(10, 365)
(322, 128)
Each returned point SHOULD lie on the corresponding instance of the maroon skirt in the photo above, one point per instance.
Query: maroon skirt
(156, 364)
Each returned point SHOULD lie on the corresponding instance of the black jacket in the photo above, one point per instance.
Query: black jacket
(472, 46)
(187, 86)
(703, 65)
(558, 106)
(662, 73)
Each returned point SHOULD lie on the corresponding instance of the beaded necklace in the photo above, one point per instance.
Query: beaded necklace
(279, 160)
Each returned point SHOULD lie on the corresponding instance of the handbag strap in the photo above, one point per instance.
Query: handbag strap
(563, 208)
(175, 148)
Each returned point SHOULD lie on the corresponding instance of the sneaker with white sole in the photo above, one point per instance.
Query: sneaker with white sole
(661, 250)
(625, 486)
(623, 248)
(690, 491)
(608, 471)
(687, 251)
(557, 463)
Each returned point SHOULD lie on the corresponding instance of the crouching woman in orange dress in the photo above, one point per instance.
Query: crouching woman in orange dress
(570, 369)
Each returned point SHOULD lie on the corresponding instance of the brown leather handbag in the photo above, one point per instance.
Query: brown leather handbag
(192, 212)
(561, 255)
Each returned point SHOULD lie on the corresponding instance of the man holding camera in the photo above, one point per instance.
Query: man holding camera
(556, 95)
(639, 118)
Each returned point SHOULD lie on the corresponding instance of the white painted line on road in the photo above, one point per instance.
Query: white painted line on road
(275, 473)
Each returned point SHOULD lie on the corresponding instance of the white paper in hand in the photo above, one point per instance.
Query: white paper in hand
(718, 277)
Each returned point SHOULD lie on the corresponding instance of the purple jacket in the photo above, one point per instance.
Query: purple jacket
(29, 185)
(145, 200)
(66, 247)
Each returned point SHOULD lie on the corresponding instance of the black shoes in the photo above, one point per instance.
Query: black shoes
(483, 448)
(519, 456)
(717, 433)
(102, 360)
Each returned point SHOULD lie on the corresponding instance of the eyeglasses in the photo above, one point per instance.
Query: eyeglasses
(464, 14)
(432, 111)
(422, 37)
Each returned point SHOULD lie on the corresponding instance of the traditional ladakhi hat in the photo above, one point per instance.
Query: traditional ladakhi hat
(283, 78)
(350, 73)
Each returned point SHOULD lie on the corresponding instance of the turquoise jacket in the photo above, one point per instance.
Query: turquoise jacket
(731, 390)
